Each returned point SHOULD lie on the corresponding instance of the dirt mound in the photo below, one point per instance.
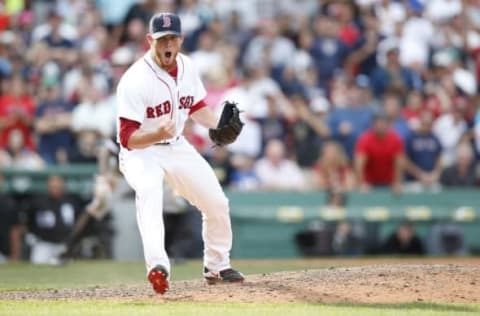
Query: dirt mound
(365, 284)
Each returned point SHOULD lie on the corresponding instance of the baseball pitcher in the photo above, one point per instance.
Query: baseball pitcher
(156, 95)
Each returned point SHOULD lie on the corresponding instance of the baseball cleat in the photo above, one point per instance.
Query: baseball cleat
(224, 276)
(158, 277)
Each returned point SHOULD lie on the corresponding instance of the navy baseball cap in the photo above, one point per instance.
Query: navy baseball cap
(165, 23)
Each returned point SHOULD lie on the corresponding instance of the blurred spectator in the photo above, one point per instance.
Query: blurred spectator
(414, 109)
(417, 37)
(5, 62)
(78, 81)
(443, 94)
(316, 239)
(379, 156)
(348, 239)
(25, 21)
(348, 122)
(345, 12)
(244, 177)
(446, 239)
(121, 58)
(390, 14)
(443, 10)
(269, 47)
(18, 156)
(403, 241)
(309, 129)
(134, 36)
(391, 74)
(52, 124)
(340, 85)
(206, 55)
(464, 172)
(17, 108)
(328, 51)
(423, 149)
(95, 113)
(50, 219)
(276, 172)
(142, 10)
(253, 92)
(217, 82)
(392, 108)
(10, 229)
(298, 71)
(38, 63)
(449, 128)
(308, 85)
(362, 59)
(274, 125)
(86, 147)
(55, 31)
(191, 16)
(221, 165)
(332, 171)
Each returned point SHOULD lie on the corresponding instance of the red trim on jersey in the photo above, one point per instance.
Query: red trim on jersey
(196, 107)
(174, 71)
(127, 127)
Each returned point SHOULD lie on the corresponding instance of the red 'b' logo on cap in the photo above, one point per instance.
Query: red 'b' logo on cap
(167, 22)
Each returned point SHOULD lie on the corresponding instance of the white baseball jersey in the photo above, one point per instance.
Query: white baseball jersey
(148, 94)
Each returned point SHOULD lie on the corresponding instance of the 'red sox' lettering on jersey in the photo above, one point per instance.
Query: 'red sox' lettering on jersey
(166, 107)
(186, 102)
(159, 110)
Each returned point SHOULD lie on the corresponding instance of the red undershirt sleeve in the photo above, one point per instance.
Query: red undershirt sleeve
(127, 127)
(197, 107)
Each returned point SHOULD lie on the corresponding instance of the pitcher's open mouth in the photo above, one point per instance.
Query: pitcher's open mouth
(168, 54)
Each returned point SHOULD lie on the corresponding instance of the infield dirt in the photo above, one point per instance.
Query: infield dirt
(384, 283)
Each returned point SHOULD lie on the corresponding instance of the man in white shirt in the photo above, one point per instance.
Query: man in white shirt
(275, 172)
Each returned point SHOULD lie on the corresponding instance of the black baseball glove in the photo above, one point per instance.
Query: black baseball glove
(229, 126)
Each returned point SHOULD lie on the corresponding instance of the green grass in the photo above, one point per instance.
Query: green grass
(107, 273)
(296, 309)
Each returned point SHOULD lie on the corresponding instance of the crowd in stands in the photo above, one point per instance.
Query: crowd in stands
(336, 94)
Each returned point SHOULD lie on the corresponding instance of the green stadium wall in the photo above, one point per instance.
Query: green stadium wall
(265, 223)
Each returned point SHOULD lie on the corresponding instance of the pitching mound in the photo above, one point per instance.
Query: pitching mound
(366, 284)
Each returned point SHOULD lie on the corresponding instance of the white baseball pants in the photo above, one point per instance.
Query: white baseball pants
(190, 176)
